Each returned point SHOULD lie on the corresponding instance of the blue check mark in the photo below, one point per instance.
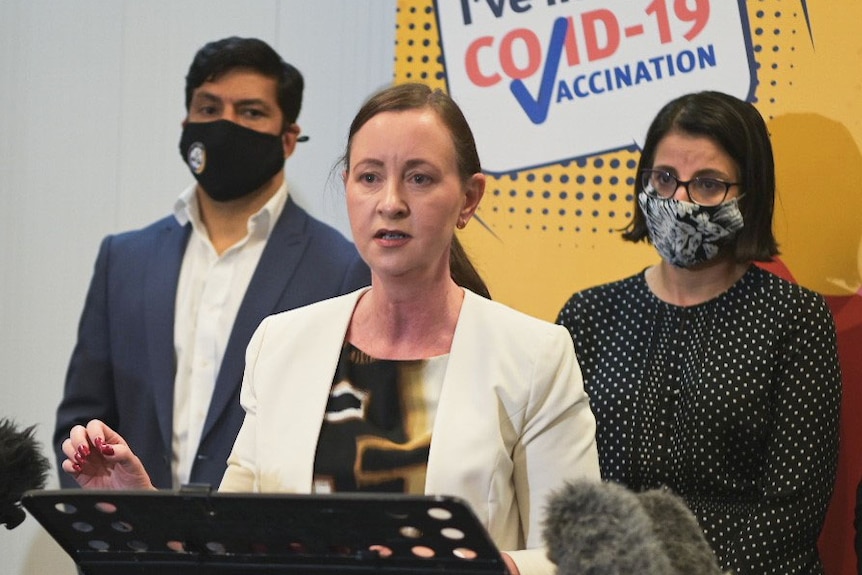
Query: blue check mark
(537, 108)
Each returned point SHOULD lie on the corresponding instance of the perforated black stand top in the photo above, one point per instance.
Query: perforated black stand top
(203, 533)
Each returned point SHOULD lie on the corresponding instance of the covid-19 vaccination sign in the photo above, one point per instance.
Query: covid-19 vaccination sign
(544, 81)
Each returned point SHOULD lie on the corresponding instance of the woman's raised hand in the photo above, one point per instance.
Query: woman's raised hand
(99, 458)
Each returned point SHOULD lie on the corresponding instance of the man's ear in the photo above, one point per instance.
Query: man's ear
(289, 139)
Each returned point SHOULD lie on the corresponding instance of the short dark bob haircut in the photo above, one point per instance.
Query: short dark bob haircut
(216, 58)
(738, 129)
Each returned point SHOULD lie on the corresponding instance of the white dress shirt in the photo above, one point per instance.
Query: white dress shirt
(209, 293)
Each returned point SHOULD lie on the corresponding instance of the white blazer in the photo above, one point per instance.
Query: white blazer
(513, 421)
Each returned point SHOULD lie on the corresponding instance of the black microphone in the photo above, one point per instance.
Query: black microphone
(600, 528)
(22, 467)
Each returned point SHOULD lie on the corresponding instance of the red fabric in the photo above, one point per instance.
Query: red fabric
(836, 540)
(837, 537)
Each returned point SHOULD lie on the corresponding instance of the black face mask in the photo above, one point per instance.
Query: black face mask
(228, 160)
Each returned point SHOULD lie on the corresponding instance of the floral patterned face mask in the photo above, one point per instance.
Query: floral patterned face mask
(686, 234)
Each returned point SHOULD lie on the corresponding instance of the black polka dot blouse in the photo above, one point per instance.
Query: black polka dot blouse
(732, 403)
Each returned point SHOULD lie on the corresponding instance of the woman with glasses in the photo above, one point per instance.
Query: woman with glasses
(708, 375)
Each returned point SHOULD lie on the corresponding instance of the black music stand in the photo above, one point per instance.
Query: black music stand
(195, 531)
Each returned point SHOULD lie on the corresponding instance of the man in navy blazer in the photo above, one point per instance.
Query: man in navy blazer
(171, 307)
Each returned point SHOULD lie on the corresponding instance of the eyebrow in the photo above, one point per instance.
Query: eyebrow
(713, 173)
(409, 164)
(418, 162)
(367, 161)
(210, 97)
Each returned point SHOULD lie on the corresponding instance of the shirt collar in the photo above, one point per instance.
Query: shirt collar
(260, 223)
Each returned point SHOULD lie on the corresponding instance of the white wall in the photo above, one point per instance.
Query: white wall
(91, 100)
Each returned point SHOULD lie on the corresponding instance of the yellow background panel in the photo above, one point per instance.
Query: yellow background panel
(555, 230)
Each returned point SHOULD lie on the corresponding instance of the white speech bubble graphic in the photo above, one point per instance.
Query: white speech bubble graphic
(544, 81)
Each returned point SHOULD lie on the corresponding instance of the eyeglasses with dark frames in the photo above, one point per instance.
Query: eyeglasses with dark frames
(701, 191)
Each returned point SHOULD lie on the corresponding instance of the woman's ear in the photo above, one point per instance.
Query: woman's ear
(475, 189)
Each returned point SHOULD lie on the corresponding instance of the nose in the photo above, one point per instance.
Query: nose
(681, 191)
(392, 204)
(228, 113)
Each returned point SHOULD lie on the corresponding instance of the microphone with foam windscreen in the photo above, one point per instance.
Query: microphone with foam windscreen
(22, 467)
(596, 528)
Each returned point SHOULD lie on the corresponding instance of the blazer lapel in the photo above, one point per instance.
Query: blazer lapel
(309, 374)
(464, 436)
(271, 278)
(163, 271)
(452, 418)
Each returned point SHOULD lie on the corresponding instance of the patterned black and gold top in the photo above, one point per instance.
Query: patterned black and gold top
(376, 431)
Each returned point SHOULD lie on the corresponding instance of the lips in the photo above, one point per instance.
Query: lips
(390, 235)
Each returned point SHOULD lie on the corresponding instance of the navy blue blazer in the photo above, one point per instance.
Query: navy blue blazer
(122, 367)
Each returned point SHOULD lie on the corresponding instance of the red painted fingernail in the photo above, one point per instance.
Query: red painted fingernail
(107, 449)
(76, 467)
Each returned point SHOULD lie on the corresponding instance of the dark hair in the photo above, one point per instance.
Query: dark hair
(414, 96)
(738, 128)
(221, 56)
